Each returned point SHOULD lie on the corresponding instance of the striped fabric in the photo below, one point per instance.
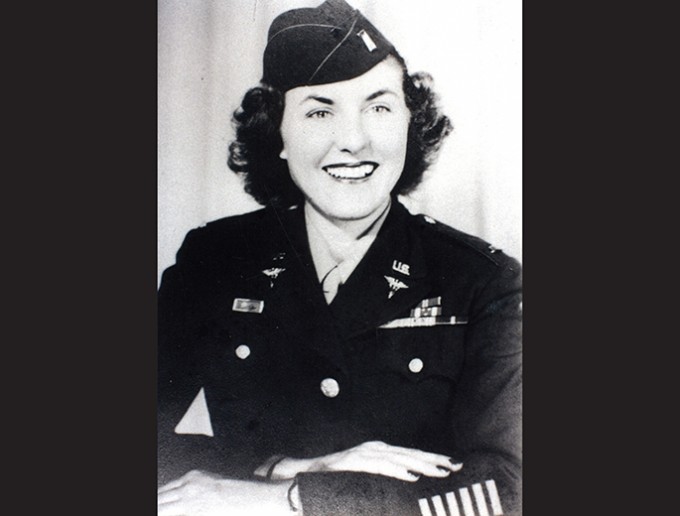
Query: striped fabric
(484, 501)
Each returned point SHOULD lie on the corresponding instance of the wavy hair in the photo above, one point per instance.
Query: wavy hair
(254, 153)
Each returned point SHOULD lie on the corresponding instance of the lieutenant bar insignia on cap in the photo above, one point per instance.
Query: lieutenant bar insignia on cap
(370, 44)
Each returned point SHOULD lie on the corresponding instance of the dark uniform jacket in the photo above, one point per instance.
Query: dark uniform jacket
(452, 387)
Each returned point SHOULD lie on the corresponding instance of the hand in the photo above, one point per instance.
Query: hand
(202, 494)
(373, 457)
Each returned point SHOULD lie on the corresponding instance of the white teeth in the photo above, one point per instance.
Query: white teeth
(356, 172)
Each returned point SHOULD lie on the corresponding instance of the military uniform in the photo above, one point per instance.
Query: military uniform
(420, 348)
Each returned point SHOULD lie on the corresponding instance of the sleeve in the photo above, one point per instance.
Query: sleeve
(179, 368)
(486, 425)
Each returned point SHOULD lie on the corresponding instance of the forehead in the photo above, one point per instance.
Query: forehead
(386, 75)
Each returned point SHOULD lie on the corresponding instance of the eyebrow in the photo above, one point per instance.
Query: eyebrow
(379, 93)
(330, 102)
(323, 100)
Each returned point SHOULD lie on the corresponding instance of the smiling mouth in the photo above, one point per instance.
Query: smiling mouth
(351, 171)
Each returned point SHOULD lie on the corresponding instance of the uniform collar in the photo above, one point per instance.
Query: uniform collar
(391, 278)
(364, 302)
(330, 247)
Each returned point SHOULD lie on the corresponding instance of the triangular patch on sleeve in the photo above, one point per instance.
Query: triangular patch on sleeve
(196, 421)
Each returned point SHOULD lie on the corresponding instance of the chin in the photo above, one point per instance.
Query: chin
(353, 209)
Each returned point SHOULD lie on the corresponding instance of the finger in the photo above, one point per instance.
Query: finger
(416, 465)
(168, 496)
(389, 469)
(377, 463)
(437, 459)
(172, 485)
(171, 509)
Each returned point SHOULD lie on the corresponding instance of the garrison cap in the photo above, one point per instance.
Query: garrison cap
(329, 43)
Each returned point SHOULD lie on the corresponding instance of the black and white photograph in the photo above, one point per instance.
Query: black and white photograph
(339, 257)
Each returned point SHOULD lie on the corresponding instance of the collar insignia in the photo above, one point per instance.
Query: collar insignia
(395, 285)
(272, 274)
(401, 267)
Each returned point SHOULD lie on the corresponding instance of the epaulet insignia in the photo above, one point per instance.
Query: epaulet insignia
(477, 244)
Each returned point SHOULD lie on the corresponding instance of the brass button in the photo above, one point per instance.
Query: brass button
(243, 351)
(330, 387)
(415, 365)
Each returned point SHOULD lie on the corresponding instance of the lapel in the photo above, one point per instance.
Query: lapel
(294, 300)
(363, 303)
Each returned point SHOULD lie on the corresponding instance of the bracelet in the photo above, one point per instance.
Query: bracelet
(293, 507)
(275, 462)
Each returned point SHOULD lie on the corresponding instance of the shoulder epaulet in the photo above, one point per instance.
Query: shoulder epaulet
(217, 237)
(235, 220)
(475, 243)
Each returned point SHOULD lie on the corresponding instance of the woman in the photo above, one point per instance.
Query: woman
(332, 353)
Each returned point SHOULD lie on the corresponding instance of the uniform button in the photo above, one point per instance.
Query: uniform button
(330, 387)
(243, 351)
(415, 365)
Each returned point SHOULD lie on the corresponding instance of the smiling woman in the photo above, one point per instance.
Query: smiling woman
(345, 142)
(332, 353)
(259, 145)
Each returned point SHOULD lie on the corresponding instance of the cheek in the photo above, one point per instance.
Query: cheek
(391, 139)
(305, 148)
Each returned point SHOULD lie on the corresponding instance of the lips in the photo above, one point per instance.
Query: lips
(351, 171)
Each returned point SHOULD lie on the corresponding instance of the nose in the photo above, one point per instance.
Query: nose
(351, 136)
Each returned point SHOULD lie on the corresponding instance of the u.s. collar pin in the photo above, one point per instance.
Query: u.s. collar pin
(401, 267)
(395, 285)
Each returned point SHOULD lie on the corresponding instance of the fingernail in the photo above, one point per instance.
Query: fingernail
(413, 475)
(455, 465)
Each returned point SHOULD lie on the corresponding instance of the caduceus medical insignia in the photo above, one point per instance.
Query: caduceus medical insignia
(395, 285)
(272, 274)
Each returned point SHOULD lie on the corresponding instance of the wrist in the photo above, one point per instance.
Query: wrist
(288, 468)
(278, 499)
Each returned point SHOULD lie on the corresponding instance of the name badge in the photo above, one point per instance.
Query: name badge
(250, 306)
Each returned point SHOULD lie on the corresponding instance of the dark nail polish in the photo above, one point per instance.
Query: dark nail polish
(456, 463)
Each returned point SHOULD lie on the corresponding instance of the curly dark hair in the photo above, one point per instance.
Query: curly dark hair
(255, 152)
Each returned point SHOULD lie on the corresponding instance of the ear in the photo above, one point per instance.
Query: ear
(283, 154)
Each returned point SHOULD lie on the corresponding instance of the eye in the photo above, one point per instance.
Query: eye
(319, 113)
(380, 108)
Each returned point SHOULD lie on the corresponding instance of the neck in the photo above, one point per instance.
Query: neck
(348, 229)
